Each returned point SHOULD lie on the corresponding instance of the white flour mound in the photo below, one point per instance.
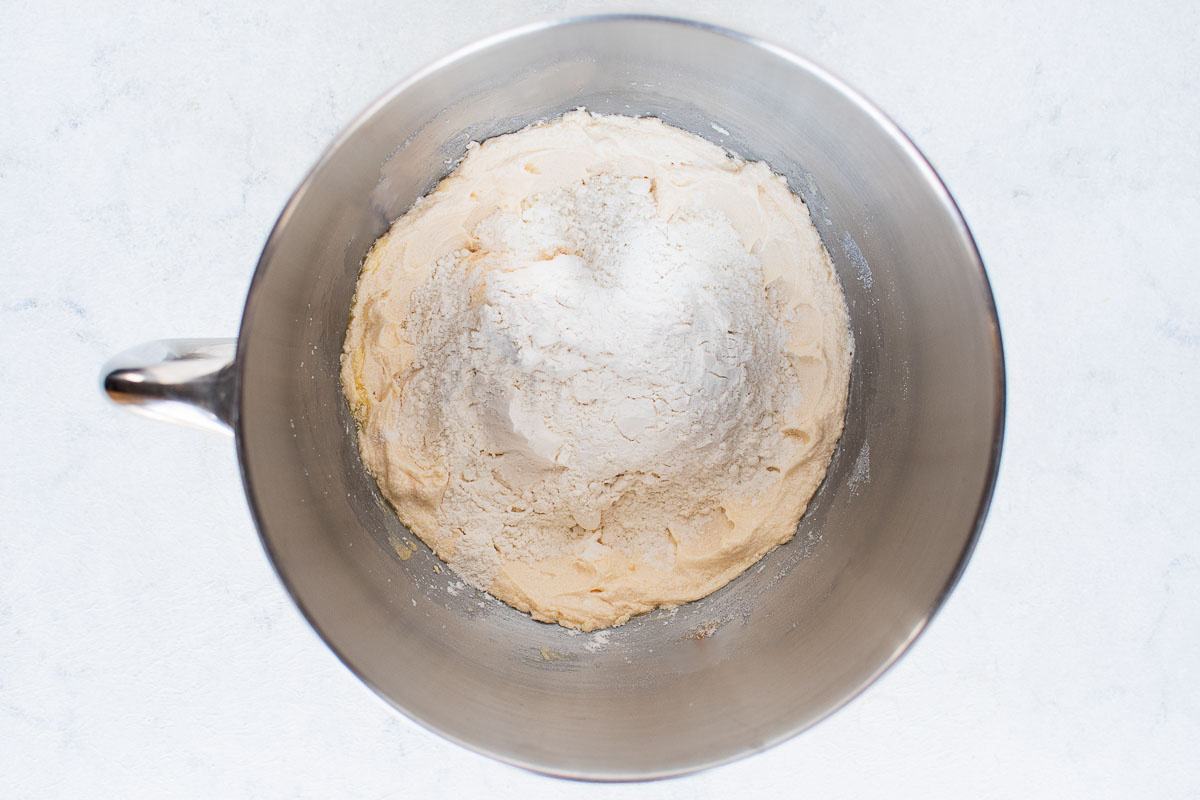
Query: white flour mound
(602, 367)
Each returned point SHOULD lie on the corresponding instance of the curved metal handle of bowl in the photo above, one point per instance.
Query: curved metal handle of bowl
(189, 381)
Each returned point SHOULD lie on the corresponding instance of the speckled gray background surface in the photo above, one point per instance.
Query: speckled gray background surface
(146, 647)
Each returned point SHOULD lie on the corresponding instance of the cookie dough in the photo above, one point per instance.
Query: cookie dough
(601, 368)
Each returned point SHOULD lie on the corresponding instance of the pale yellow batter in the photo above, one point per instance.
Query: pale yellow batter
(601, 368)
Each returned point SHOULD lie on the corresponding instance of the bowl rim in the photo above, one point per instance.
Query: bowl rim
(886, 125)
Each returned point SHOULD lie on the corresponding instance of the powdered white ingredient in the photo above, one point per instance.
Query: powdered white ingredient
(603, 378)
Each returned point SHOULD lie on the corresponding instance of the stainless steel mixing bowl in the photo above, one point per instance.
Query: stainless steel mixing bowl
(765, 657)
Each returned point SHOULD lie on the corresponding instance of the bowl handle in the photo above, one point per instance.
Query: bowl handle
(189, 381)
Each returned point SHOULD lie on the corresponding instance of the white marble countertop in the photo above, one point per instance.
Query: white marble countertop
(146, 647)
